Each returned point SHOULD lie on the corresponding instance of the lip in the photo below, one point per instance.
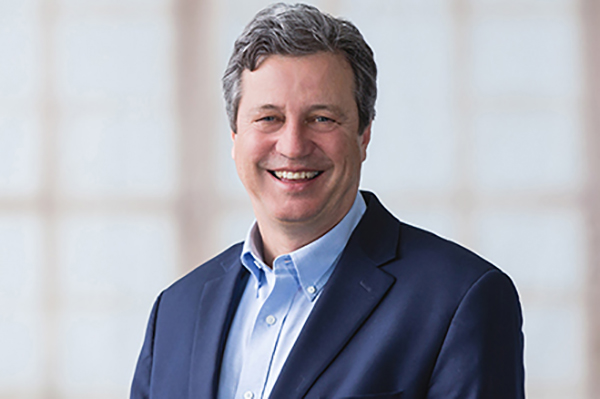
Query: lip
(295, 184)
(297, 175)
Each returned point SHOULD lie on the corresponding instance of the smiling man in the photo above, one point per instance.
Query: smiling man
(329, 296)
(298, 148)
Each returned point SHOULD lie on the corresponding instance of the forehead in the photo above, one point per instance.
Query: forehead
(322, 74)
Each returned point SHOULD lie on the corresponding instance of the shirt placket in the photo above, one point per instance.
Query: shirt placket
(262, 344)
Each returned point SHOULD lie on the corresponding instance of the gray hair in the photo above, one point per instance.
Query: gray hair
(296, 30)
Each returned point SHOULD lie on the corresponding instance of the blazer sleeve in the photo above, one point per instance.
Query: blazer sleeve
(482, 353)
(140, 387)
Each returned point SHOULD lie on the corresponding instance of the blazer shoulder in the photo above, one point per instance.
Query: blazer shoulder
(439, 263)
(411, 249)
(422, 243)
(211, 269)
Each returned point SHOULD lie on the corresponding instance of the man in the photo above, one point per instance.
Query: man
(329, 296)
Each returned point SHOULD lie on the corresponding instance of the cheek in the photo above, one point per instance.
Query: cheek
(248, 151)
(343, 151)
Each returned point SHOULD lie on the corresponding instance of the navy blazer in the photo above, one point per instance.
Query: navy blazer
(406, 314)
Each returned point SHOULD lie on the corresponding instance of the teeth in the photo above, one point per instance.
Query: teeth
(295, 175)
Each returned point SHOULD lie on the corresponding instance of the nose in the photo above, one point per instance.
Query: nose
(294, 141)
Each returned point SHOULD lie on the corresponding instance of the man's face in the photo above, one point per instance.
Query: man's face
(297, 148)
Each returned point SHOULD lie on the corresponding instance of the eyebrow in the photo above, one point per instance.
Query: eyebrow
(328, 107)
(266, 107)
(317, 107)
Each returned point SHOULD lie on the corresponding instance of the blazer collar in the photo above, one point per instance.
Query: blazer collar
(378, 232)
(221, 295)
(354, 290)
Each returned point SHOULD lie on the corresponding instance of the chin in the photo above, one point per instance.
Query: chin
(294, 216)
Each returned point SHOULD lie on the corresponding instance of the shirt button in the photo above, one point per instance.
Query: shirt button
(248, 395)
(311, 289)
(270, 321)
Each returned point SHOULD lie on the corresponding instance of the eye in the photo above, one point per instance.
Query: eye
(267, 119)
(268, 123)
(322, 123)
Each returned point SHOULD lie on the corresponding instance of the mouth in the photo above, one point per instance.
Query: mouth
(288, 175)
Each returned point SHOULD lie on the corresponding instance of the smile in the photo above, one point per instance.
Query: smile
(289, 175)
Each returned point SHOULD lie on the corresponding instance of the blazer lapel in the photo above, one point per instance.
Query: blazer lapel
(220, 297)
(354, 290)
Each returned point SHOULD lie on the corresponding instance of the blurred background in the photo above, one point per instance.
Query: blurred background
(116, 176)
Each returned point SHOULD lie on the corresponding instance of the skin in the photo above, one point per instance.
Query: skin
(298, 115)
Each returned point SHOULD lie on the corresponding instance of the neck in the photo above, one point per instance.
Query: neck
(282, 238)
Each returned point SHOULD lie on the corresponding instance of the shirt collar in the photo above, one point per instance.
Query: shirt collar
(314, 262)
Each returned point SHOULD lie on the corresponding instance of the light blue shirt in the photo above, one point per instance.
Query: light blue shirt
(275, 305)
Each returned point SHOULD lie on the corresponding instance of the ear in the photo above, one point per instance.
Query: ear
(363, 141)
(233, 136)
